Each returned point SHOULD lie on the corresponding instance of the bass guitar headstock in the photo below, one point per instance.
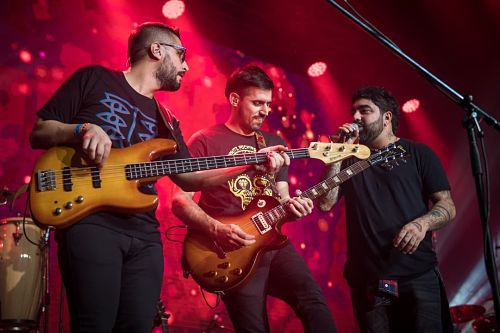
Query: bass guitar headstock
(330, 152)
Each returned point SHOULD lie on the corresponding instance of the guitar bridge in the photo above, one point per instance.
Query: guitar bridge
(260, 222)
(45, 180)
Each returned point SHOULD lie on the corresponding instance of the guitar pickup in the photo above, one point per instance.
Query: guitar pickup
(66, 178)
(260, 223)
(45, 180)
(96, 177)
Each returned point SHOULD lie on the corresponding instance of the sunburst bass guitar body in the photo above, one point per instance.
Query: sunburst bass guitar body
(65, 187)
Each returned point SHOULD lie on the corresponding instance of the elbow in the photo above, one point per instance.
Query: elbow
(453, 211)
(36, 142)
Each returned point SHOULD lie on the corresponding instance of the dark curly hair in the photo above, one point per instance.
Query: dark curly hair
(381, 98)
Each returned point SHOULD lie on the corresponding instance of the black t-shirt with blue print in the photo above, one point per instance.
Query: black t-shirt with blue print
(103, 97)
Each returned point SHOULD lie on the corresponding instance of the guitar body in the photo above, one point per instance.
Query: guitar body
(61, 206)
(213, 271)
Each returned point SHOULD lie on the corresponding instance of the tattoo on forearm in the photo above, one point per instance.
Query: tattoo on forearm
(330, 197)
(439, 216)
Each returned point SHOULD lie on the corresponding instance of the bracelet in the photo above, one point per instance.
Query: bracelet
(80, 129)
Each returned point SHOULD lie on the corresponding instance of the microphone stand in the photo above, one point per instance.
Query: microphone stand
(471, 122)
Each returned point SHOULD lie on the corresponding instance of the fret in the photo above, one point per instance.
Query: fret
(167, 167)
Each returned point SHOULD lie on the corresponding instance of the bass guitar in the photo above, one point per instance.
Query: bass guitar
(65, 187)
(218, 271)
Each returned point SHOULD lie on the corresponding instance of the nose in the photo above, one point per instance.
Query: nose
(185, 66)
(356, 116)
(265, 109)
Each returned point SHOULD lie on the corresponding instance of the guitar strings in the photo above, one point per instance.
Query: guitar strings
(269, 215)
(160, 168)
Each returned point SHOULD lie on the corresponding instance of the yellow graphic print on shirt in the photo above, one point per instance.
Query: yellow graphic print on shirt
(245, 188)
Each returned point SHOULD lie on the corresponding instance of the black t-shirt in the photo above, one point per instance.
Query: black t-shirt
(379, 202)
(234, 196)
(103, 97)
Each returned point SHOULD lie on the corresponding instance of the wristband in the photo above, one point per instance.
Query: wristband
(80, 129)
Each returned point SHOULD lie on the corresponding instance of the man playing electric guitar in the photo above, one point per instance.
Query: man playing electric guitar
(281, 272)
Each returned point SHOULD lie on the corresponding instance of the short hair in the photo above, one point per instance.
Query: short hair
(381, 98)
(145, 34)
(248, 76)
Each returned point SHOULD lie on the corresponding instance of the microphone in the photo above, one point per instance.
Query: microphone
(356, 126)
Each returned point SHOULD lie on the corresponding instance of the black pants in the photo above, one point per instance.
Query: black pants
(283, 274)
(421, 307)
(112, 280)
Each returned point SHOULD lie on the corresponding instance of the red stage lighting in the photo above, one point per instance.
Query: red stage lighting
(25, 56)
(317, 69)
(411, 105)
(173, 9)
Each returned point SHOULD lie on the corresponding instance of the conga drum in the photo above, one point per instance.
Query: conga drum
(21, 274)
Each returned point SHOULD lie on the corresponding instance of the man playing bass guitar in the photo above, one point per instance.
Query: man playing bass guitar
(112, 261)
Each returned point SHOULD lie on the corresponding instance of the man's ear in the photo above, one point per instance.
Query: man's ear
(154, 51)
(234, 99)
(387, 118)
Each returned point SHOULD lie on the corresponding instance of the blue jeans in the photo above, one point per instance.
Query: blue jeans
(282, 274)
(112, 280)
(420, 307)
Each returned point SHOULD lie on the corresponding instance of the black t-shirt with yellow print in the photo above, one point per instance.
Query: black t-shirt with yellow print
(234, 196)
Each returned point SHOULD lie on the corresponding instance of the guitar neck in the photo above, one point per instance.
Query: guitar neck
(280, 213)
(162, 168)
(334, 181)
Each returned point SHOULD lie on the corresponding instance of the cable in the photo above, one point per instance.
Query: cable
(368, 23)
(168, 234)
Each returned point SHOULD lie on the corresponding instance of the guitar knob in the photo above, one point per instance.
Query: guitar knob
(79, 199)
(355, 149)
(68, 205)
(225, 265)
(211, 274)
(57, 211)
(237, 271)
(341, 148)
(222, 279)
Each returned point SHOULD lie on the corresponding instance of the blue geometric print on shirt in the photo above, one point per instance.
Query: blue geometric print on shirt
(115, 125)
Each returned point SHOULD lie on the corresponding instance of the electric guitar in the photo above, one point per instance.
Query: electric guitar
(218, 271)
(65, 187)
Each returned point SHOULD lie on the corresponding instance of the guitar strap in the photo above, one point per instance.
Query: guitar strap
(261, 143)
(167, 116)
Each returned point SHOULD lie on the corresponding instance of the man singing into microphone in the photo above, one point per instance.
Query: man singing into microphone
(391, 264)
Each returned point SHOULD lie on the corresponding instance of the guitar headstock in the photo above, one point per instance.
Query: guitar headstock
(330, 152)
(389, 156)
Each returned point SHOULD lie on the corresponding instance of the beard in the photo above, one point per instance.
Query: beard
(371, 131)
(167, 76)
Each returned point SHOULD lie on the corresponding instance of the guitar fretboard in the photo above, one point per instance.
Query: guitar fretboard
(279, 213)
(169, 167)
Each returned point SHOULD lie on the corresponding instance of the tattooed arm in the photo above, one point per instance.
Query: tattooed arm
(330, 198)
(441, 213)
